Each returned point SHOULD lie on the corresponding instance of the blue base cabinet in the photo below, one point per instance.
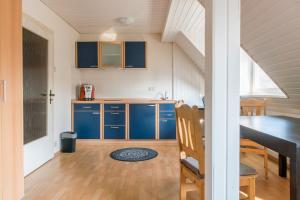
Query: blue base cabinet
(114, 121)
(142, 121)
(87, 121)
(167, 121)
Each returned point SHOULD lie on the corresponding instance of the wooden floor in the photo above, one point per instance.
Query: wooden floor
(90, 174)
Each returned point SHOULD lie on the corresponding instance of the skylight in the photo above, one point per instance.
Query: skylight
(254, 81)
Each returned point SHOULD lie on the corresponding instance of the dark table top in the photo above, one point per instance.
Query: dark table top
(281, 127)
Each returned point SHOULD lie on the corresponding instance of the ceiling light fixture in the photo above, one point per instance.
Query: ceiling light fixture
(126, 20)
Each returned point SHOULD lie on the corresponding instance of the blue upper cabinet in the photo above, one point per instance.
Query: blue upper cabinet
(87, 54)
(135, 54)
(142, 121)
(87, 121)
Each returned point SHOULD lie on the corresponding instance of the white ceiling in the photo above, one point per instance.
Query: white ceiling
(98, 16)
(187, 16)
(270, 33)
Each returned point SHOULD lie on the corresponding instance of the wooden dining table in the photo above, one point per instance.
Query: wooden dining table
(280, 134)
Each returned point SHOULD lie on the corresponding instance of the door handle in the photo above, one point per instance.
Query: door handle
(114, 127)
(95, 113)
(4, 90)
(51, 95)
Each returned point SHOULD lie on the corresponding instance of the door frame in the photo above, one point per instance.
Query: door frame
(38, 28)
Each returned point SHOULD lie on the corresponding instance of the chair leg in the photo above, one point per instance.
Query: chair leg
(266, 163)
(182, 187)
(251, 189)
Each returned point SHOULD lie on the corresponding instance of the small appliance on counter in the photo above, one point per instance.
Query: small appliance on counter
(87, 92)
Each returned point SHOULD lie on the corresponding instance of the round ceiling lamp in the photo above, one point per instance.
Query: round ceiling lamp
(126, 20)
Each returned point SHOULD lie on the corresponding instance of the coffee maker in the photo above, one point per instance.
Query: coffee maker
(87, 92)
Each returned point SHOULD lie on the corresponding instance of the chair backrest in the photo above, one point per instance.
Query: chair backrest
(190, 133)
(252, 107)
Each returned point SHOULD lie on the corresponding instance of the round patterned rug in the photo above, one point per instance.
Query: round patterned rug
(133, 154)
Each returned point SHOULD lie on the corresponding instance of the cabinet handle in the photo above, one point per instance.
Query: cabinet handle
(86, 107)
(151, 105)
(4, 90)
(164, 120)
(115, 113)
(114, 127)
(95, 113)
(115, 107)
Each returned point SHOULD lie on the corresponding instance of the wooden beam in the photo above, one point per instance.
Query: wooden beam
(222, 99)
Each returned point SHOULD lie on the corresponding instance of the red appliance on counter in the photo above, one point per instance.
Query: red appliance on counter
(87, 92)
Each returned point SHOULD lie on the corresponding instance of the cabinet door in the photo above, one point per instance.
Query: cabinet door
(111, 54)
(135, 54)
(87, 54)
(87, 124)
(142, 121)
(167, 129)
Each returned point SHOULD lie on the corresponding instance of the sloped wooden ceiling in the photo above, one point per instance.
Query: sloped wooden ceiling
(270, 33)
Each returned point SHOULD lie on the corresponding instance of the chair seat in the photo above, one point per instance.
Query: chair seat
(245, 170)
(193, 165)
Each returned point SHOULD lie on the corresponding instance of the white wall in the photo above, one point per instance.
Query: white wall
(150, 82)
(132, 83)
(64, 59)
(162, 62)
(188, 79)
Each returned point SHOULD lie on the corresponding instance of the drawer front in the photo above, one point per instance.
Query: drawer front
(167, 107)
(87, 106)
(168, 115)
(167, 129)
(114, 132)
(108, 107)
(114, 118)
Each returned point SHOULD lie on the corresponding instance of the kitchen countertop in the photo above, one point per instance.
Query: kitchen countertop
(125, 100)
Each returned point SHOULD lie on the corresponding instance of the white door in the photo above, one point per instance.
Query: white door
(37, 93)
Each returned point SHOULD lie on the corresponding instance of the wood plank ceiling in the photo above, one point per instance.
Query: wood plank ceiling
(98, 16)
(270, 34)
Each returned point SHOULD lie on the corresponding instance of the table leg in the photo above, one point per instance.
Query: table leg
(295, 177)
(282, 166)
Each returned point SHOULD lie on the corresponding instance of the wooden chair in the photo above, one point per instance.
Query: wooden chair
(192, 158)
(253, 107)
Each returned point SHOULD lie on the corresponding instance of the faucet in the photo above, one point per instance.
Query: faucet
(164, 96)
